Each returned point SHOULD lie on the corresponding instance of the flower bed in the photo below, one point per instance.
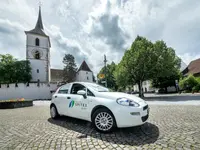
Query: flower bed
(15, 103)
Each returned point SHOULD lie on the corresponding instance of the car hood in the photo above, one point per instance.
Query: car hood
(116, 95)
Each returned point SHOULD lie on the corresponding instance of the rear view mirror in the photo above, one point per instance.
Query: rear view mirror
(82, 92)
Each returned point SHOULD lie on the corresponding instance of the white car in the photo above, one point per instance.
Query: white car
(92, 102)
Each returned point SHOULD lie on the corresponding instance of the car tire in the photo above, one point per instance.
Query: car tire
(103, 120)
(53, 112)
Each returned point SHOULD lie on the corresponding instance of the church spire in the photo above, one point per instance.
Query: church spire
(39, 24)
(39, 29)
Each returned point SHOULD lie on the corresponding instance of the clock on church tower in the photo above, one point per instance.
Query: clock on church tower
(38, 51)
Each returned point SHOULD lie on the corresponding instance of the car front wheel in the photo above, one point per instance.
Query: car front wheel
(53, 112)
(103, 120)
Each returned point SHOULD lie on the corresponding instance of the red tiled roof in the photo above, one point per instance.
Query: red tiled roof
(193, 67)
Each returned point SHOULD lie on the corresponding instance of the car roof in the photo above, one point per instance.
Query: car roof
(81, 82)
(84, 83)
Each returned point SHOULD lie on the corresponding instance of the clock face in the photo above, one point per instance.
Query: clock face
(37, 53)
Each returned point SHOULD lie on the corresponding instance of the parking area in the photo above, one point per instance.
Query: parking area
(168, 127)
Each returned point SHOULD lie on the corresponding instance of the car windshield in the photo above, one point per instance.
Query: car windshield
(97, 87)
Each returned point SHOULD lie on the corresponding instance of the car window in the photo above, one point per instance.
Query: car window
(89, 93)
(76, 88)
(64, 89)
(97, 87)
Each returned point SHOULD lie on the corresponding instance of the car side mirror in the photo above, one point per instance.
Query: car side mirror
(82, 92)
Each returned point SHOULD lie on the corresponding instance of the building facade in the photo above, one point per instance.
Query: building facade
(38, 52)
(146, 86)
(84, 74)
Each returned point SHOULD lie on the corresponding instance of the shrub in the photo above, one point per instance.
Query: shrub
(196, 88)
(188, 83)
(198, 79)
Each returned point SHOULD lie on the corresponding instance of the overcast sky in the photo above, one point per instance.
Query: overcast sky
(88, 29)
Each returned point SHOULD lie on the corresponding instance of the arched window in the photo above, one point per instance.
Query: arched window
(37, 42)
(37, 55)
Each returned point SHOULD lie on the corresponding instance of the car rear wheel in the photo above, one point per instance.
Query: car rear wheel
(103, 120)
(53, 112)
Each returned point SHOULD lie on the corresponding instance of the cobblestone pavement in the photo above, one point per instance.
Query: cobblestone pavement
(169, 127)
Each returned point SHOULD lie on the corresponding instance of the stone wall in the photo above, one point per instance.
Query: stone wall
(84, 76)
(31, 91)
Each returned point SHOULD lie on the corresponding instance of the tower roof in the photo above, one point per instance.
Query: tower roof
(84, 67)
(39, 29)
(39, 24)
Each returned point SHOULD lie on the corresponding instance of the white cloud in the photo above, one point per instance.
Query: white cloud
(89, 29)
(11, 37)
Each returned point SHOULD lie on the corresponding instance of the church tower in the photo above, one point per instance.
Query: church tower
(38, 52)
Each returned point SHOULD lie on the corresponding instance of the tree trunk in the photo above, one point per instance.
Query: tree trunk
(166, 90)
(141, 94)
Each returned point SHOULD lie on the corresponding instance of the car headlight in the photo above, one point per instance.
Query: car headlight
(127, 102)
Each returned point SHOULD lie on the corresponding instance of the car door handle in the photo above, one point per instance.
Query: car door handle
(68, 97)
(56, 96)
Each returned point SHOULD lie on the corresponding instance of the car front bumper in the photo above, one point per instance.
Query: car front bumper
(131, 116)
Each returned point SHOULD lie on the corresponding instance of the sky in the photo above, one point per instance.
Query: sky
(88, 29)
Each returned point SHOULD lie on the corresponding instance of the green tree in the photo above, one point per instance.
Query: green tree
(110, 68)
(7, 68)
(69, 68)
(22, 71)
(122, 76)
(12, 70)
(168, 63)
(164, 82)
(146, 61)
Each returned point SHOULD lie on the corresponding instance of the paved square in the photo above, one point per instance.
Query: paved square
(169, 127)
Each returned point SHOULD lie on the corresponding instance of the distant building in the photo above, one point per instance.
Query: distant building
(56, 75)
(84, 73)
(146, 86)
(193, 68)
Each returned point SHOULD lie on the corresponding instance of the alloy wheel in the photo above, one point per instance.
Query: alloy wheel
(104, 121)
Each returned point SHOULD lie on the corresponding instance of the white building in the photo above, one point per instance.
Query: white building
(146, 86)
(38, 52)
(84, 73)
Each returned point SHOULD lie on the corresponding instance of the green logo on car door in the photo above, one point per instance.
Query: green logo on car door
(77, 104)
(71, 104)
